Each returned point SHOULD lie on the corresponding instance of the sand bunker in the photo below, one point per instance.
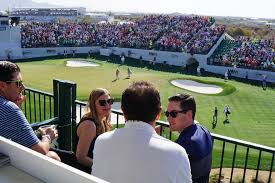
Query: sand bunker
(197, 87)
(80, 63)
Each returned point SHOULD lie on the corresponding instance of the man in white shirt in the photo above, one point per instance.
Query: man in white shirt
(136, 153)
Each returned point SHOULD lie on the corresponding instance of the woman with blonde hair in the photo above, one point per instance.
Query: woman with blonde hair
(95, 122)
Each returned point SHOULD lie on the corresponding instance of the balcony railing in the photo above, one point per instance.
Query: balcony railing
(39, 105)
(228, 153)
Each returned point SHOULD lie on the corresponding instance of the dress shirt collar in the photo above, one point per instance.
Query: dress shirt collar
(139, 125)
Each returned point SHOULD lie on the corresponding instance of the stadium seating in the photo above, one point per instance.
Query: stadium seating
(245, 53)
(191, 34)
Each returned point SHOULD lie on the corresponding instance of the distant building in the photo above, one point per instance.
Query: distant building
(4, 19)
(10, 36)
(48, 14)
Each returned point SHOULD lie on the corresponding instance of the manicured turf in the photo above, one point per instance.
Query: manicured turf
(253, 110)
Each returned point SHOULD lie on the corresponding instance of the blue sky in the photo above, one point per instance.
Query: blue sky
(244, 8)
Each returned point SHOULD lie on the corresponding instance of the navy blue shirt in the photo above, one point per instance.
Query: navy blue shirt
(14, 125)
(197, 142)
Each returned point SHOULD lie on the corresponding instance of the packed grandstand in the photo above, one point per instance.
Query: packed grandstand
(246, 53)
(190, 34)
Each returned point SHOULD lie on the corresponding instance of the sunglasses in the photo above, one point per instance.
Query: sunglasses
(19, 83)
(102, 103)
(173, 114)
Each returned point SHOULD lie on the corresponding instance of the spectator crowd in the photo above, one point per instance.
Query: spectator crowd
(191, 34)
(248, 53)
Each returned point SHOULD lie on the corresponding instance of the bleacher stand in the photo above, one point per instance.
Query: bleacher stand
(245, 53)
(191, 34)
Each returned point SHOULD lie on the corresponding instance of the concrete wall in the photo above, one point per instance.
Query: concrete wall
(171, 58)
(42, 167)
(52, 51)
(243, 73)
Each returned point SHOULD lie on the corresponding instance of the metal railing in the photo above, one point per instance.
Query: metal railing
(38, 106)
(81, 106)
(227, 152)
(249, 147)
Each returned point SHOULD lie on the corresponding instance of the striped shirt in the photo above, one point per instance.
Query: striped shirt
(14, 125)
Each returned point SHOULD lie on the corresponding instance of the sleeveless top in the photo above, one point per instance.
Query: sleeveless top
(91, 148)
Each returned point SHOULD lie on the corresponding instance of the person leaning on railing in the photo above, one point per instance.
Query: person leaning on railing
(195, 139)
(14, 125)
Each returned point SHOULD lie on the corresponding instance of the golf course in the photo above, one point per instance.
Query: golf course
(252, 109)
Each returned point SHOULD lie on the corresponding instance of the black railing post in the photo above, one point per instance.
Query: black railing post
(245, 165)
(34, 106)
(39, 106)
(271, 168)
(233, 163)
(117, 120)
(30, 106)
(258, 166)
(55, 95)
(64, 100)
(220, 174)
(73, 113)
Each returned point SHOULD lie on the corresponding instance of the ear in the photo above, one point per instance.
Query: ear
(159, 114)
(189, 114)
(125, 117)
(2, 84)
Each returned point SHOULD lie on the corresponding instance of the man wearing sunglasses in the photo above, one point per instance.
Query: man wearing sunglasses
(196, 139)
(136, 153)
(13, 123)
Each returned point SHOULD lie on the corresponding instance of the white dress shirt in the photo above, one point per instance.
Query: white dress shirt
(137, 154)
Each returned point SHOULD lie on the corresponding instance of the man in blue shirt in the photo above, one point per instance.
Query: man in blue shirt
(196, 139)
(14, 125)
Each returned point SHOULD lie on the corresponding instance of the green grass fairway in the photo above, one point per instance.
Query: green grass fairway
(253, 110)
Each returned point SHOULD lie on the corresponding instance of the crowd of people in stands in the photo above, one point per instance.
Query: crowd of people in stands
(248, 53)
(191, 34)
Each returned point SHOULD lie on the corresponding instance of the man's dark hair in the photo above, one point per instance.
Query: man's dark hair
(141, 102)
(187, 102)
(7, 69)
